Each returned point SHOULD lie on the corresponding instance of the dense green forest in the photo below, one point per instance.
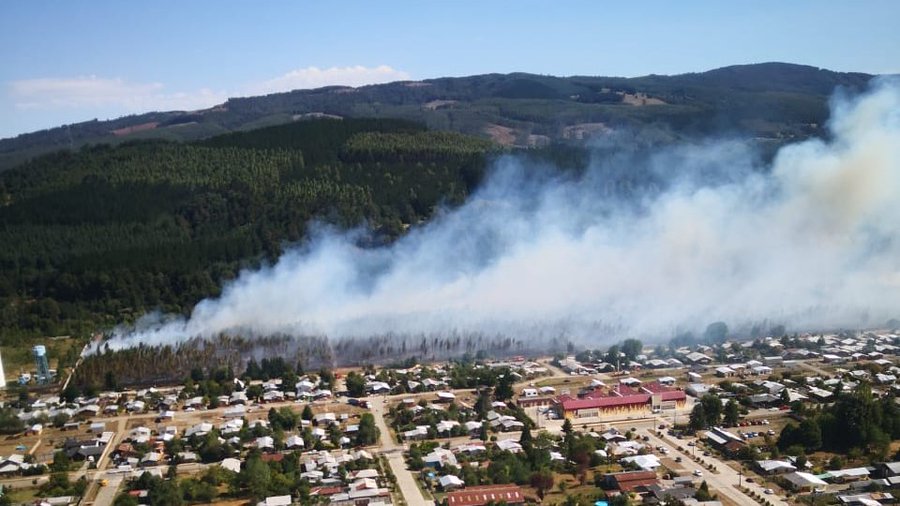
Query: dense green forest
(104, 234)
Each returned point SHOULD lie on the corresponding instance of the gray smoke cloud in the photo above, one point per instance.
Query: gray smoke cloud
(812, 241)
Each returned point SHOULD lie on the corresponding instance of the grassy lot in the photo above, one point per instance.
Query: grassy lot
(573, 383)
(23, 495)
(19, 359)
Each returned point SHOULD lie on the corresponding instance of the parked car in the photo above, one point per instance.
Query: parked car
(769, 491)
(698, 472)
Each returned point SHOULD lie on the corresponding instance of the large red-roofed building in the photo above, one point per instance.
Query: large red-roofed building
(621, 401)
(479, 496)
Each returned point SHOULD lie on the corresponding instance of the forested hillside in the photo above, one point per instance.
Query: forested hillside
(771, 102)
(107, 233)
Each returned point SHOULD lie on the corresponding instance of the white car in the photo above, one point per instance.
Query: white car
(768, 491)
(698, 472)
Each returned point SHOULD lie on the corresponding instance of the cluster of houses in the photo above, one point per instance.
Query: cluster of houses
(850, 485)
(432, 420)
(766, 393)
(364, 486)
(14, 464)
(144, 448)
(430, 378)
(651, 489)
(642, 479)
(759, 357)
(441, 462)
(323, 443)
(746, 366)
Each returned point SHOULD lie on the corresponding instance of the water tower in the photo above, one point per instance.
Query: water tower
(41, 364)
(2, 375)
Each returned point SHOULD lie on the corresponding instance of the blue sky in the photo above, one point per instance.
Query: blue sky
(69, 61)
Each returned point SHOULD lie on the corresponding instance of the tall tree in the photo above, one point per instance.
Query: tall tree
(732, 413)
(712, 406)
(612, 356)
(698, 417)
(541, 480)
(716, 332)
(257, 477)
(632, 348)
(356, 384)
(368, 432)
(504, 390)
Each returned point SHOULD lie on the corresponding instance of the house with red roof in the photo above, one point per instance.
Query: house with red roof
(632, 481)
(481, 495)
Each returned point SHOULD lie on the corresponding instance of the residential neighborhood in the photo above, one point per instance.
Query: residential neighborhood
(736, 423)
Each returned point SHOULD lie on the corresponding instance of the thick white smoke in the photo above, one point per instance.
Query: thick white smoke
(812, 242)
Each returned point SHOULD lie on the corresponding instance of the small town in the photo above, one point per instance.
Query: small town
(803, 419)
(432, 253)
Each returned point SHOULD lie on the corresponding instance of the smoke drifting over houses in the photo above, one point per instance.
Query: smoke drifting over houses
(811, 242)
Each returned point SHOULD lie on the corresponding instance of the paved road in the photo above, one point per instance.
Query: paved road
(394, 453)
(722, 482)
(106, 495)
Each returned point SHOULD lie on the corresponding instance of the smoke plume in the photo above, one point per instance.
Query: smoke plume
(811, 240)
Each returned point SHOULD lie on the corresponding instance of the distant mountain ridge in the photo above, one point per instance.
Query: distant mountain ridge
(774, 102)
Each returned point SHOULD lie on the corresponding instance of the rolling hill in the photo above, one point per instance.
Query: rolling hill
(773, 102)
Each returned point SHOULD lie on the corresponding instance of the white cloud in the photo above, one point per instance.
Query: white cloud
(314, 77)
(123, 96)
(90, 92)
